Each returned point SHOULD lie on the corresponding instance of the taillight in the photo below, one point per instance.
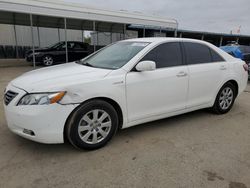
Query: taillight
(245, 66)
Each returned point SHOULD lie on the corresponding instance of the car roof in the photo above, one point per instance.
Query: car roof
(158, 40)
(75, 41)
(165, 39)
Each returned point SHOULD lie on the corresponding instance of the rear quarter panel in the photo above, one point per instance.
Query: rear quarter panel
(236, 72)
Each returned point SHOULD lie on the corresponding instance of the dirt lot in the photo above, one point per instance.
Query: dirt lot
(198, 149)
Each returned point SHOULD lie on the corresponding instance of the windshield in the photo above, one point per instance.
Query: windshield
(56, 45)
(115, 55)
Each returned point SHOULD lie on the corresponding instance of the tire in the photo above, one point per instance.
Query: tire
(225, 99)
(92, 125)
(47, 60)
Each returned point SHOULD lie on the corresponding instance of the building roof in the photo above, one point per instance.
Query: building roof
(133, 26)
(213, 33)
(62, 9)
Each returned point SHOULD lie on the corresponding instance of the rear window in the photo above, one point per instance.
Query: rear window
(197, 53)
(245, 49)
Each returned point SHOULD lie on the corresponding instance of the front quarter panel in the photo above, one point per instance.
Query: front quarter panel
(111, 86)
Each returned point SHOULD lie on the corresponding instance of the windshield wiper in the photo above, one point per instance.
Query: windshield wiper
(84, 63)
(87, 64)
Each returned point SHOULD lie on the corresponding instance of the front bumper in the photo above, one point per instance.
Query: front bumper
(45, 121)
(29, 58)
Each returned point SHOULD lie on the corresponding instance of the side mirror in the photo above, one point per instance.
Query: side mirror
(145, 66)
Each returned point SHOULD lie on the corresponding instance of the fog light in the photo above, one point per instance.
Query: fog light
(29, 132)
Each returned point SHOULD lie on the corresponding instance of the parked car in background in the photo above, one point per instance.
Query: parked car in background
(56, 53)
(239, 51)
(125, 84)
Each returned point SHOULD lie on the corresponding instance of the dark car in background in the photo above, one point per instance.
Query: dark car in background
(56, 53)
(239, 51)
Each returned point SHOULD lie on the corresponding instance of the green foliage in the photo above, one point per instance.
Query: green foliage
(87, 40)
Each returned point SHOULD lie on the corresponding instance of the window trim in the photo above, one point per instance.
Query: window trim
(164, 42)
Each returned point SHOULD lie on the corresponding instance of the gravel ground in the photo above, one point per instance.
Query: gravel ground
(197, 149)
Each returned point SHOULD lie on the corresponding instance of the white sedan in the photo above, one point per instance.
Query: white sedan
(127, 83)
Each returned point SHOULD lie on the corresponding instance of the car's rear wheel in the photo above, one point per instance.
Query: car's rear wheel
(92, 125)
(225, 99)
(48, 60)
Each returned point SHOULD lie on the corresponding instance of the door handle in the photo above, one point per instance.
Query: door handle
(223, 67)
(181, 74)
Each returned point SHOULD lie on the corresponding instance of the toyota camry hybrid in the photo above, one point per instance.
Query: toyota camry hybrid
(124, 84)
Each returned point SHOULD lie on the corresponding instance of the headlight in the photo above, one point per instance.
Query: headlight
(41, 98)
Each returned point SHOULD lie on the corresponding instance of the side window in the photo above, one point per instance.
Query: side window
(77, 46)
(165, 55)
(70, 45)
(85, 46)
(197, 53)
(215, 56)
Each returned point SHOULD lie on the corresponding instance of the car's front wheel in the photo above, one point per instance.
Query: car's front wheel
(92, 125)
(48, 60)
(225, 99)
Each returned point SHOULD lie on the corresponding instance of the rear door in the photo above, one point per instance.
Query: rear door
(207, 71)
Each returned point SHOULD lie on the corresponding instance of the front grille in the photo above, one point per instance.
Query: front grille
(9, 96)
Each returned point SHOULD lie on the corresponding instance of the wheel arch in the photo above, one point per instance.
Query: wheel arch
(106, 99)
(47, 54)
(233, 81)
(236, 85)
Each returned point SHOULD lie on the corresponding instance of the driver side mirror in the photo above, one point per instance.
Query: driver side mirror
(145, 66)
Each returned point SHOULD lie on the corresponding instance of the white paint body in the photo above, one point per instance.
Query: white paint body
(142, 96)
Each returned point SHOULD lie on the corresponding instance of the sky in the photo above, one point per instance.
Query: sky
(221, 16)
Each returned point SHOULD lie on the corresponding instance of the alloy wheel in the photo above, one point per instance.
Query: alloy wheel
(94, 126)
(226, 98)
(47, 60)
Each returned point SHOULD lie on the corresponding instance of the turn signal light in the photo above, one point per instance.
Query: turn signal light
(57, 97)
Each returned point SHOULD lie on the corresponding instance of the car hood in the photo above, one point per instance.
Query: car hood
(42, 49)
(58, 77)
(39, 50)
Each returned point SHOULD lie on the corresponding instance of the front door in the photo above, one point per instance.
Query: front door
(158, 92)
